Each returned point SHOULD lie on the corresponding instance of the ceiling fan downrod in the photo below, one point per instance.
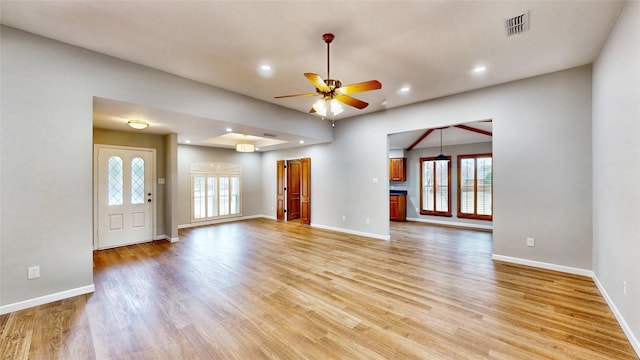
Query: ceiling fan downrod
(328, 38)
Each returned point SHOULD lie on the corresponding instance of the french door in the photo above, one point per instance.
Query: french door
(124, 209)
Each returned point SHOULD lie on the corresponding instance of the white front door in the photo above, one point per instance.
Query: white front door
(125, 196)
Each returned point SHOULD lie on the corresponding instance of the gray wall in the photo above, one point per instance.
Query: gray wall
(542, 130)
(616, 171)
(541, 154)
(46, 148)
(251, 177)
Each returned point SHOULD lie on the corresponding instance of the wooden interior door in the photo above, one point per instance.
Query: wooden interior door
(280, 190)
(293, 189)
(305, 191)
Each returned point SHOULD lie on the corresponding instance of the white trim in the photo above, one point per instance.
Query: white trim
(217, 221)
(166, 237)
(543, 265)
(352, 232)
(453, 223)
(21, 305)
(623, 324)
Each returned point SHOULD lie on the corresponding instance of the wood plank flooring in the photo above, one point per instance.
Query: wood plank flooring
(261, 289)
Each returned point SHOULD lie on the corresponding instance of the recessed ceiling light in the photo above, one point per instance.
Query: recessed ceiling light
(301, 141)
(265, 67)
(479, 69)
(187, 141)
(405, 89)
(229, 129)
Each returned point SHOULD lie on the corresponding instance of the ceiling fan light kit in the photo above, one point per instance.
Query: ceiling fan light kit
(331, 90)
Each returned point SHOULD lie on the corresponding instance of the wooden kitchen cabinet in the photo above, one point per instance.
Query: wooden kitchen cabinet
(398, 207)
(398, 169)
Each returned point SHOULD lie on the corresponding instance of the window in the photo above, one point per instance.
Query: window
(435, 187)
(216, 191)
(475, 186)
(115, 181)
(137, 180)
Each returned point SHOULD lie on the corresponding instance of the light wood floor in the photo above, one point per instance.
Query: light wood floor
(262, 289)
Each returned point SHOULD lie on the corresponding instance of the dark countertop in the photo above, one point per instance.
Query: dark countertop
(397, 192)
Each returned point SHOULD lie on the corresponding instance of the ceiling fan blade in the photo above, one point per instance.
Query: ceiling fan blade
(360, 87)
(351, 101)
(317, 81)
(296, 95)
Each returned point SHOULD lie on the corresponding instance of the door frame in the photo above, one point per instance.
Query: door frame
(96, 212)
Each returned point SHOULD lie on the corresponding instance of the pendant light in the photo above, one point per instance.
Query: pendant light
(441, 157)
(245, 146)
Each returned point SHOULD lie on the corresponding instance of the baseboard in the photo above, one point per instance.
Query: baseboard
(213, 222)
(543, 265)
(453, 223)
(352, 232)
(623, 324)
(21, 305)
(166, 237)
(218, 221)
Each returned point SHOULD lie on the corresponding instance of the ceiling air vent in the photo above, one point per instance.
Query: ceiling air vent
(517, 24)
(270, 135)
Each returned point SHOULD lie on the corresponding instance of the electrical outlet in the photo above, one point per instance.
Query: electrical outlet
(344, 217)
(624, 289)
(531, 242)
(366, 221)
(33, 272)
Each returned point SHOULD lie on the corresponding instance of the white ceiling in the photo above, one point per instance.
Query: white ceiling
(430, 46)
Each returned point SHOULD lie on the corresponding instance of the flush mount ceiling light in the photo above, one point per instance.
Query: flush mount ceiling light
(441, 157)
(245, 146)
(138, 124)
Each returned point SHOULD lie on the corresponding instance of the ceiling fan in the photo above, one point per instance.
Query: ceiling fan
(332, 91)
